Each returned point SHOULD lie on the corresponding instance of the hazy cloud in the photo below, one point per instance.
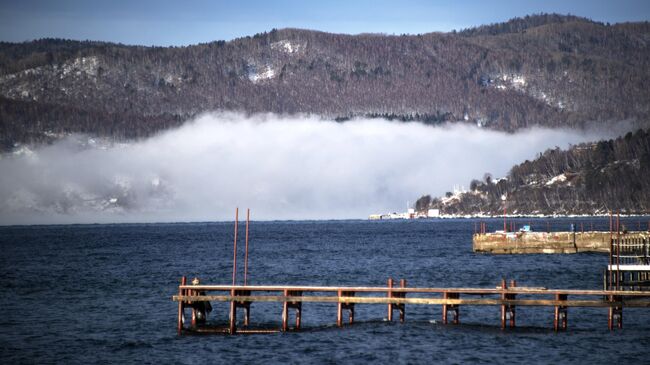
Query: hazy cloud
(280, 167)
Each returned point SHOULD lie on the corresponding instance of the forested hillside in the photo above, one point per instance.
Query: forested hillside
(546, 70)
(586, 179)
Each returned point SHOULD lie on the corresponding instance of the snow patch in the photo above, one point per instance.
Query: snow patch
(81, 65)
(286, 46)
(557, 179)
(265, 73)
(21, 150)
(511, 81)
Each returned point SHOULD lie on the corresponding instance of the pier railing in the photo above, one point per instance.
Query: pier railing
(396, 298)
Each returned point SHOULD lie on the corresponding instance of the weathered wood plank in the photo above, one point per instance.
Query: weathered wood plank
(467, 291)
(430, 301)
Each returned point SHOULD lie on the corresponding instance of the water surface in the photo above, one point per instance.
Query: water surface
(102, 293)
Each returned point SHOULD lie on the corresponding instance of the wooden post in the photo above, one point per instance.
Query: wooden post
(289, 304)
(285, 312)
(247, 316)
(556, 317)
(390, 295)
(503, 306)
(560, 320)
(298, 316)
(339, 312)
(445, 295)
(347, 306)
(615, 313)
(450, 307)
(513, 310)
(193, 322)
(610, 317)
(565, 313)
(455, 308)
(246, 305)
(181, 307)
(402, 306)
(233, 313)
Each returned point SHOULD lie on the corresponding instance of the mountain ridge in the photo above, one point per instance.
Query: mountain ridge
(548, 70)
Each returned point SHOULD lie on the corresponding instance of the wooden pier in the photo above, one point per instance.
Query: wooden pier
(508, 297)
(195, 297)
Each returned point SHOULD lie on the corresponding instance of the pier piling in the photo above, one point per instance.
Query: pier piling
(560, 320)
(508, 311)
(181, 305)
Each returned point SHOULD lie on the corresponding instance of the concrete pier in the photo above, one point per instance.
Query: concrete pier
(546, 242)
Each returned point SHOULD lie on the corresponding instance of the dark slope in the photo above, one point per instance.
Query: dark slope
(546, 70)
(586, 179)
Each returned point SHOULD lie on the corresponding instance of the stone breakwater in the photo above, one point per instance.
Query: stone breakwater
(545, 242)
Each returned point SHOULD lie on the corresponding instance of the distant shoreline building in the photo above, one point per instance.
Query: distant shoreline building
(410, 214)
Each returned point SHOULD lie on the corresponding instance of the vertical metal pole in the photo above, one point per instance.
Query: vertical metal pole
(505, 229)
(181, 306)
(248, 212)
(611, 252)
(234, 251)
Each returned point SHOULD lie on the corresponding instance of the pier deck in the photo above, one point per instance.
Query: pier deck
(508, 297)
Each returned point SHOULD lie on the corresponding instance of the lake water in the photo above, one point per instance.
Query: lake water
(102, 294)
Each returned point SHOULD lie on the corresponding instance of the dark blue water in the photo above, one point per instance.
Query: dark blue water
(102, 293)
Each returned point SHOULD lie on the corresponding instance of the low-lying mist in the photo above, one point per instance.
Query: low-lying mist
(280, 167)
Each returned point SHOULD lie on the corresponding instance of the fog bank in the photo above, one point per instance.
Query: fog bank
(280, 167)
